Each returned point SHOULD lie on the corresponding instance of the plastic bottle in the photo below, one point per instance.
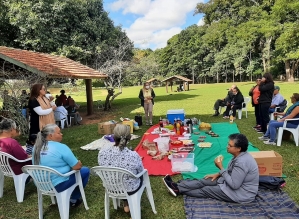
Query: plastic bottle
(231, 118)
(178, 128)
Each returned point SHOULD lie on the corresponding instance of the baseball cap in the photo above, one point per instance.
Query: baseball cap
(276, 88)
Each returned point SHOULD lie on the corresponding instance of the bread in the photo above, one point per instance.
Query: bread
(219, 158)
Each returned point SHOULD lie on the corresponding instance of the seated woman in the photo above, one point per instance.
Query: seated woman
(60, 112)
(49, 152)
(72, 110)
(291, 113)
(238, 183)
(120, 156)
(234, 104)
(8, 130)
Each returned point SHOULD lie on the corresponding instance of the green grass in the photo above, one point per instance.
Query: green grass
(197, 102)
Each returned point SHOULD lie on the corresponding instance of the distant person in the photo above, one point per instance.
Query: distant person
(277, 99)
(223, 102)
(255, 94)
(72, 110)
(146, 96)
(41, 110)
(266, 88)
(30, 144)
(238, 183)
(63, 98)
(60, 112)
(235, 104)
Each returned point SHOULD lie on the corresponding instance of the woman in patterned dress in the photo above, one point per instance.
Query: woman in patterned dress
(120, 156)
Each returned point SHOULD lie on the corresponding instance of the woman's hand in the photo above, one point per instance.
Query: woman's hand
(218, 164)
(54, 107)
(213, 176)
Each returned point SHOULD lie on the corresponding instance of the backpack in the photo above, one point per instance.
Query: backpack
(282, 106)
(270, 182)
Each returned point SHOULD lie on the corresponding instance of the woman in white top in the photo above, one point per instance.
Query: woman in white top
(120, 156)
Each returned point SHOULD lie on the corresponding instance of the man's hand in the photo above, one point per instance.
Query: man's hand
(218, 164)
(213, 176)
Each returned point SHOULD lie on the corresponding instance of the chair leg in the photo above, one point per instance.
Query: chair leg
(246, 114)
(114, 200)
(240, 114)
(62, 123)
(134, 204)
(63, 201)
(40, 204)
(107, 206)
(150, 197)
(1, 183)
(19, 182)
(279, 136)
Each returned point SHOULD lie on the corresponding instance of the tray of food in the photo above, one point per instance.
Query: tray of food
(205, 126)
(204, 144)
(186, 149)
(176, 143)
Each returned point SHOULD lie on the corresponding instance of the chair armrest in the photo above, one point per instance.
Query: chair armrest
(141, 173)
(286, 120)
(69, 173)
(21, 161)
(276, 108)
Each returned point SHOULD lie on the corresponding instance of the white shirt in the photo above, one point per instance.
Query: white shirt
(127, 159)
(60, 113)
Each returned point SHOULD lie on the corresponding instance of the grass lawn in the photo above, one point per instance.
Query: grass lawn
(198, 102)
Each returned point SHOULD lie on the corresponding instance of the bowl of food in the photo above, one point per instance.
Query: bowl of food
(176, 143)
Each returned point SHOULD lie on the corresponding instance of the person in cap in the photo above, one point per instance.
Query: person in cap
(277, 99)
(223, 102)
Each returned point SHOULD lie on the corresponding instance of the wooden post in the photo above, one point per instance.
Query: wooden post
(88, 85)
(166, 86)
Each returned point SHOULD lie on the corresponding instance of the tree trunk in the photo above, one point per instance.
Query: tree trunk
(288, 70)
(233, 76)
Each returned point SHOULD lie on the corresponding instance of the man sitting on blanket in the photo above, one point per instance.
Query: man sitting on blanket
(238, 183)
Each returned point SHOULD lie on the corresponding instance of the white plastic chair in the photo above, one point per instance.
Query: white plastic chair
(244, 108)
(294, 131)
(112, 178)
(58, 119)
(100, 104)
(41, 176)
(275, 110)
(6, 170)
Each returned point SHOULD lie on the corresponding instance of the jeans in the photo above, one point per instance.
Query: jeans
(273, 125)
(84, 171)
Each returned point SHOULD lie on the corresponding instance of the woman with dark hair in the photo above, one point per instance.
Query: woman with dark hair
(41, 110)
(49, 152)
(120, 156)
(266, 88)
(291, 113)
(255, 95)
(236, 103)
(238, 183)
(8, 131)
(147, 95)
(63, 98)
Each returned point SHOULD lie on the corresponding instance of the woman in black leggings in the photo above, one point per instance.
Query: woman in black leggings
(266, 93)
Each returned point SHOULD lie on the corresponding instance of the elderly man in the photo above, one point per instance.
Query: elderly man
(277, 99)
(223, 102)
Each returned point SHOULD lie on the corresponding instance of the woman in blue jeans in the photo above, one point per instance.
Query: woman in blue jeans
(292, 113)
(49, 152)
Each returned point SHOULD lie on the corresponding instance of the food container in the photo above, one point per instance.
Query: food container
(182, 162)
(163, 144)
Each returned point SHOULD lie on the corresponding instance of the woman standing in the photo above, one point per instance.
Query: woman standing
(147, 96)
(266, 88)
(255, 94)
(41, 110)
(8, 131)
(49, 152)
(120, 156)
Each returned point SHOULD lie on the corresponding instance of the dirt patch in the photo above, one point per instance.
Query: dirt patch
(96, 117)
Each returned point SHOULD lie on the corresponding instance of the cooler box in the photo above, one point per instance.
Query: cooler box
(129, 123)
(175, 114)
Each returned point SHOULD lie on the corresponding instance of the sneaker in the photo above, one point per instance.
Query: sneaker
(216, 114)
(76, 204)
(264, 138)
(151, 123)
(171, 186)
(146, 123)
(256, 127)
(168, 178)
(260, 132)
(225, 117)
(269, 142)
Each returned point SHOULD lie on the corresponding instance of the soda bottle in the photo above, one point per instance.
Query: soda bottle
(231, 117)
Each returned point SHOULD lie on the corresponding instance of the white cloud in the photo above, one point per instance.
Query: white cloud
(158, 20)
(201, 22)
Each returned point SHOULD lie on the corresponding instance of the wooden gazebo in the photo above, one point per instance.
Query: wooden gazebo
(169, 81)
(52, 66)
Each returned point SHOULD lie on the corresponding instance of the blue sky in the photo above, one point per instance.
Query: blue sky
(150, 23)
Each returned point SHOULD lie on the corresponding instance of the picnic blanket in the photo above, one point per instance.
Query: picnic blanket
(267, 204)
(204, 157)
(154, 167)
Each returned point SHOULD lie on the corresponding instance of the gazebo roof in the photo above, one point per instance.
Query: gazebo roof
(177, 77)
(48, 65)
(151, 80)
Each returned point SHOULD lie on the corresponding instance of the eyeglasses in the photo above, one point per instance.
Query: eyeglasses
(231, 146)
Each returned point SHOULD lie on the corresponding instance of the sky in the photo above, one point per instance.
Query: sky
(150, 23)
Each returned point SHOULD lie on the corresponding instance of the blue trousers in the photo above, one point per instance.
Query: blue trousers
(84, 171)
(273, 125)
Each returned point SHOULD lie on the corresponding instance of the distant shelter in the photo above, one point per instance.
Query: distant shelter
(182, 82)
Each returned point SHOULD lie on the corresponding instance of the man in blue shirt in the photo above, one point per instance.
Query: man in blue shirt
(277, 99)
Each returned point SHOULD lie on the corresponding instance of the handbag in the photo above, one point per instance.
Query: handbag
(138, 119)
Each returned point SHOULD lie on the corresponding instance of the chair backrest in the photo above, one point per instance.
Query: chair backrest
(112, 178)
(246, 101)
(4, 164)
(57, 115)
(41, 176)
(282, 106)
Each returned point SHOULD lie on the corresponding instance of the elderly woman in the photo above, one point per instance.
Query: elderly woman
(49, 152)
(8, 130)
(238, 183)
(234, 104)
(147, 95)
(120, 156)
(41, 110)
(292, 113)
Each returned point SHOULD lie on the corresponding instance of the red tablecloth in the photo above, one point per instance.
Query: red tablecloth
(154, 167)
